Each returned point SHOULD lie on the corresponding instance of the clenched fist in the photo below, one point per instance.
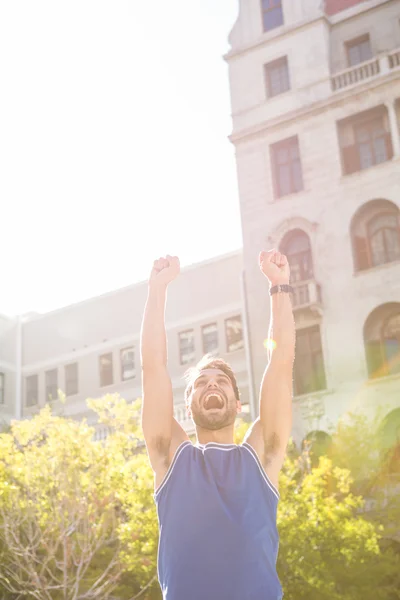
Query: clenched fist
(275, 267)
(164, 270)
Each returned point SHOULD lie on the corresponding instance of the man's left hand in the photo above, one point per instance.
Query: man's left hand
(275, 267)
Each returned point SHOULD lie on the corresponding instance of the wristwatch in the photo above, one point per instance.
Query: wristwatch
(281, 287)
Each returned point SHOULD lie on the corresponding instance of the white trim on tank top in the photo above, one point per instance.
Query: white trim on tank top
(171, 466)
(250, 450)
(224, 448)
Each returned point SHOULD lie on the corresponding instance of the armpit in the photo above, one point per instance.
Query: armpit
(271, 448)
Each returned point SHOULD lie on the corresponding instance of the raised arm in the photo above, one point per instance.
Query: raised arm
(162, 432)
(271, 431)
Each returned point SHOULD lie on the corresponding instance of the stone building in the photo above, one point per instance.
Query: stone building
(91, 348)
(315, 94)
(315, 89)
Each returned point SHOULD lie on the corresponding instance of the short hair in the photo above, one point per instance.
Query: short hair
(210, 362)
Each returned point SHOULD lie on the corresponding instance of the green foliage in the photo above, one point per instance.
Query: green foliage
(76, 514)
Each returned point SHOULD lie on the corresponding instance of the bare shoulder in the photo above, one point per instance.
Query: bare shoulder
(268, 451)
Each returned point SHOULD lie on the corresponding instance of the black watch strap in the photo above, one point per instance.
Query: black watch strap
(281, 287)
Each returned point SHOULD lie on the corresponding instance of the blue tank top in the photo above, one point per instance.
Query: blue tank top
(217, 517)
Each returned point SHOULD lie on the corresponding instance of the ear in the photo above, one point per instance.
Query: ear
(188, 411)
(238, 406)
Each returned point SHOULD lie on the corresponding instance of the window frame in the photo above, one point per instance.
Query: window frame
(361, 237)
(285, 249)
(127, 349)
(266, 11)
(351, 151)
(354, 43)
(371, 236)
(28, 378)
(75, 390)
(110, 369)
(46, 385)
(314, 363)
(383, 368)
(368, 126)
(287, 144)
(229, 348)
(181, 333)
(274, 65)
(216, 349)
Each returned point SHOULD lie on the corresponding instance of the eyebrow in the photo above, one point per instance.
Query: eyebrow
(202, 377)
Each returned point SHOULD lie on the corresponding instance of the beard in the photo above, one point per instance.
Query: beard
(213, 420)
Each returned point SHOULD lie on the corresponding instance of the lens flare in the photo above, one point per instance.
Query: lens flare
(269, 344)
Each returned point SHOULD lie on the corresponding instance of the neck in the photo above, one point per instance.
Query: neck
(220, 436)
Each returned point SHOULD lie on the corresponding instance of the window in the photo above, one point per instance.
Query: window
(309, 370)
(128, 363)
(382, 341)
(106, 369)
(210, 338)
(2, 396)
(296, 246)
(234, 333)
(71, 379)
(375, 232)
(272, 14)
(384, 238)
(51, 385)
(335, 6)
(277, 77)
(359, 50)
(31, 390)
(371, 143)
(186, 346)
(286, 167)
(365, 141)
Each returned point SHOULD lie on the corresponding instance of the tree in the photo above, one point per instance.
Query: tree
(75, 514)
(78, 519)
(328, 549)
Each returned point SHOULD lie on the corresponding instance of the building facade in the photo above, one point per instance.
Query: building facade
(91, 348)
(315, 91)
(315, 94)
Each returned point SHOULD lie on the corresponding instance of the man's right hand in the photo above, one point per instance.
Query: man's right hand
(164, 271)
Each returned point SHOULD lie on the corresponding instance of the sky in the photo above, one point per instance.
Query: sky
(114, 150)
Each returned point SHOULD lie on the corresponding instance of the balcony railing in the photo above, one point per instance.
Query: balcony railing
(101, 433)
(355, 74)
(394, 59)
(366, 70)
(306, 294)
(180, 414)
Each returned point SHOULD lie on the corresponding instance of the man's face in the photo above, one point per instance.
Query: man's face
(212, 403)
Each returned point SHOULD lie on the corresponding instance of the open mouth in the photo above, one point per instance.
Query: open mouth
(213, 401)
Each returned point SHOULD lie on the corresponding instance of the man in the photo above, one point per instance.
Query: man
(217, 501)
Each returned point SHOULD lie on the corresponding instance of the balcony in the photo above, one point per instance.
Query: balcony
(101, 433)
(180, 414)
(307, 294)
(367, 70)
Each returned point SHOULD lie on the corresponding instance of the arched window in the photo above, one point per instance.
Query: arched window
(375, 233)
(384, 238)
(296, 246)
(382, 341)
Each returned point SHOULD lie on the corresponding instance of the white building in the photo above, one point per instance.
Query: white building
(315, 92)
(92, 348)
